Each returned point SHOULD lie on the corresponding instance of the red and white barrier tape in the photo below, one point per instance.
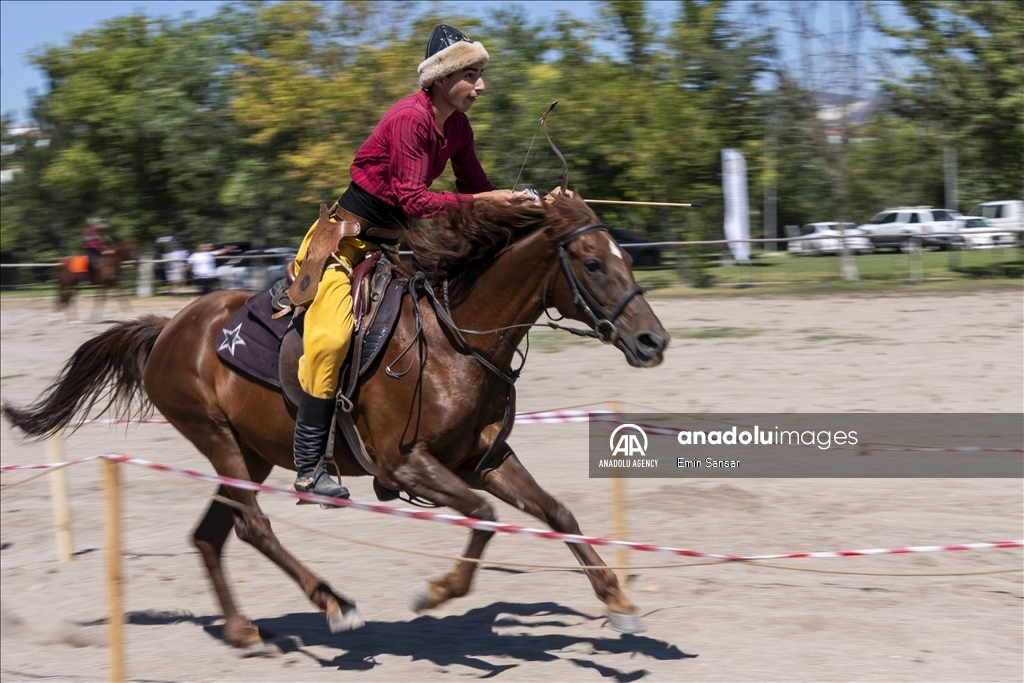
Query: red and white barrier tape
(49, 465)
(484, 525)
(546, 417)
(576, 416)
(673, 431)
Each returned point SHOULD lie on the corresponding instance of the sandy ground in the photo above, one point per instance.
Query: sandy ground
(900, 354)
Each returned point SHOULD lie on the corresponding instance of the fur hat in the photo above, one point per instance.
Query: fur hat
(448, 50)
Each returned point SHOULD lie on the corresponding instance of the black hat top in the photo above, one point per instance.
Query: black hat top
(442, 37)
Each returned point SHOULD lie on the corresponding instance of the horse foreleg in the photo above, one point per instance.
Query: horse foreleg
(209, 538)
(101, 300)
(513, 483)
(423, 476)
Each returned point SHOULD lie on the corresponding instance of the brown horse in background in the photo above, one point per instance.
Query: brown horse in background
(428, 423)
(106, 276)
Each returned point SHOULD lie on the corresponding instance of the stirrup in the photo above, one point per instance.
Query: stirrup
(309, 485)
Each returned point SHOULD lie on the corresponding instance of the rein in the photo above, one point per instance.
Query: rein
(603, 320)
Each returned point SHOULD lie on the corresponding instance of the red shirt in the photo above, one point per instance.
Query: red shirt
(407, 152)
(91, 239)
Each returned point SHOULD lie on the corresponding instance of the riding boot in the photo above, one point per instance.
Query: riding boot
(312, 431)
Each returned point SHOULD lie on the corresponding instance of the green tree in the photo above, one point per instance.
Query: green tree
(966, 87)
(137, 126)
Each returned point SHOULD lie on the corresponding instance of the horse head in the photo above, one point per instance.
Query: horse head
(128, 249)
(592, 281)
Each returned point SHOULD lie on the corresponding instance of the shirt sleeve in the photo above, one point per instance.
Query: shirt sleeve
(410, 167)
(469, 174)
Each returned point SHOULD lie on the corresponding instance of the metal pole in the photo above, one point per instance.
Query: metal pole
(59, 500)
(952, 200)
(115, 614)
(771, 230)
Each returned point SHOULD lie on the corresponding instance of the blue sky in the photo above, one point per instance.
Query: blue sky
(26, 25)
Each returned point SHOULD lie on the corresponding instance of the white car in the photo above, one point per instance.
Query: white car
(825, 238)
(907, 229)
(978, 233)
(1008, 215)
(255, 270)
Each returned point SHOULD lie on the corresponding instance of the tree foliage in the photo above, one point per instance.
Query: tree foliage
(236, 126)
(967, 88)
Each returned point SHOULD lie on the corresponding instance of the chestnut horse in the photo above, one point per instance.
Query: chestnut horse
(107, 275)
(435, 403)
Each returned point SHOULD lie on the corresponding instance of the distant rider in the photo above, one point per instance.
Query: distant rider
(94, 244)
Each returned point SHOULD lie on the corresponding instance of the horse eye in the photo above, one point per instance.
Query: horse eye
(593, 265)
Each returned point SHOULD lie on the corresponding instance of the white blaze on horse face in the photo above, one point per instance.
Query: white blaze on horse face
(615, 248)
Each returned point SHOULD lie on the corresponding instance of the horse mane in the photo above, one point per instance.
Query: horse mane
(464, 240)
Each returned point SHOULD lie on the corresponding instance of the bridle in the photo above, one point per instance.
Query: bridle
(603, 320)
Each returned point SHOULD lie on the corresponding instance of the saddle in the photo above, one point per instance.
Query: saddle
(79, 264)
(263, 340)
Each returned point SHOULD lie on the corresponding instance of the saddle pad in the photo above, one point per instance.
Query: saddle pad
(78, 264)
(251, 340)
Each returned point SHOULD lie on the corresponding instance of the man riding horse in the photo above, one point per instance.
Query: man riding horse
(391, 176)
(94, 244)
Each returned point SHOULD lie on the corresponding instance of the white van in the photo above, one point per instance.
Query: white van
(1005, 215)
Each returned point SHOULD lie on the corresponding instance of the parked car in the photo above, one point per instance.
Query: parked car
(642, 251)
(255, 270)
(826, 238)
(978, 233)
(907, 228)
(1008, 215)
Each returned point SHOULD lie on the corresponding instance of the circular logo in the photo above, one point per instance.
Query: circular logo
(613, 444)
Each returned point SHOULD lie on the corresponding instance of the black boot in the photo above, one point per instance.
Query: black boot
(312, 431)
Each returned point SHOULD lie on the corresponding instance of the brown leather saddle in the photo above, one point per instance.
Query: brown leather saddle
(378, 288)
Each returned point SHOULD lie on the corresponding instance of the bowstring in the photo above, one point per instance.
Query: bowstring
(528, 149)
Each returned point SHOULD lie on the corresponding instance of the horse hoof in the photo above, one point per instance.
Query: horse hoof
(347, 618)
(421, 598)
(243, 636)
(625, 623)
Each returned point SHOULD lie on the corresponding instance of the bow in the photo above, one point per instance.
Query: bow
(544, 124)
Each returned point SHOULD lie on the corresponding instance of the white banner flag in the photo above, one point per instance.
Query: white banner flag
(737, 210)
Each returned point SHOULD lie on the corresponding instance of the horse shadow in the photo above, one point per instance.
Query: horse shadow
(452, 640)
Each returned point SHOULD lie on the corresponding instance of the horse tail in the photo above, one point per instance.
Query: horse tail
(107, 367)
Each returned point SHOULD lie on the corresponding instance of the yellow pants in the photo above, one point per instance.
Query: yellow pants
(328, 324)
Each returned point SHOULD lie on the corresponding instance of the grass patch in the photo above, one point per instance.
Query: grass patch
(951, 287)
(785, 273)
(842, 338)
(554, 342)
(713, 332)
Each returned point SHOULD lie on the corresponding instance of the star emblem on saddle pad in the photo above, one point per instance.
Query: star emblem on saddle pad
(231, 339)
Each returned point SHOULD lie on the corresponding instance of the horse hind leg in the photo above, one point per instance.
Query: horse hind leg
(513, 483)
(209, 538)
(253, 527)
(232, 459)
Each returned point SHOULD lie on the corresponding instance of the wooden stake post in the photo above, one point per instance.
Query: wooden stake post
(115, 614)
(618, 495)
(59, 500)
